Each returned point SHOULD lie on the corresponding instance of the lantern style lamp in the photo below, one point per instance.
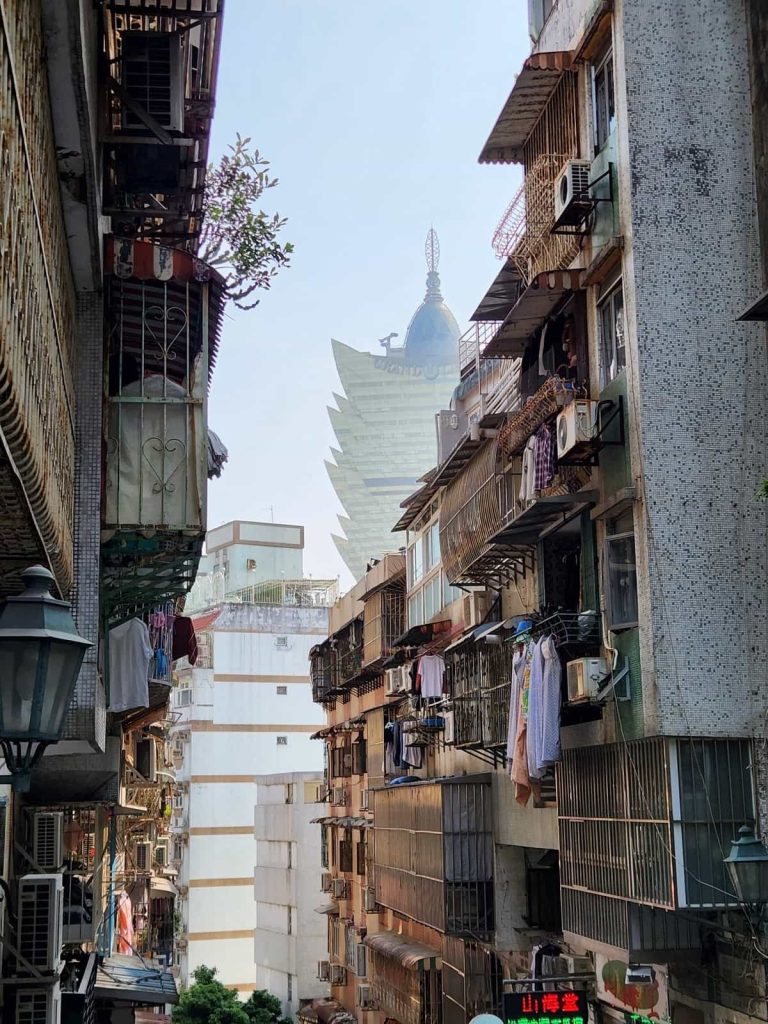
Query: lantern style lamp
(40, 657)
(747, 865)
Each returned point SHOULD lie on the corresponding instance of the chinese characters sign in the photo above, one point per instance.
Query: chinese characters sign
(545, 1007)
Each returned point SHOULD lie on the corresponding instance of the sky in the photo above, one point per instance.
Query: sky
(372, 114)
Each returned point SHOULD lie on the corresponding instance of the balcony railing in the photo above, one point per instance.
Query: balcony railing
(383, 622)
(479, 677)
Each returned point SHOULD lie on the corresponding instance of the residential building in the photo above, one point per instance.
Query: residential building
(104, 171)
(290, 936)
(244, 716)
(601, 503)
(384, 421)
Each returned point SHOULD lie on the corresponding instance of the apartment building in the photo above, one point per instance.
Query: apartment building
(244, 716)
(103, 469)
(577, 778)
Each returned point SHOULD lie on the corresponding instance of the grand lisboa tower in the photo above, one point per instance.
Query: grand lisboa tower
(384, 421)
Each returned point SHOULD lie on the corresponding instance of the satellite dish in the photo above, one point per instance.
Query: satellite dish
(486, 1018)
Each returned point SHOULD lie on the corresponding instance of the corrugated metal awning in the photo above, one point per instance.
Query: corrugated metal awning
(501, 296)
(533, 86)
(133, 980)
(328, 908)
(406, 951)
(535, 305)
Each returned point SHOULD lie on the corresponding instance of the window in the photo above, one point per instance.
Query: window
(432, 546)
(604, 112)
(282, 691)
(282, 741)
(612, 335)
(415, 562)
(184, 697)
(281, 641)
(289, 921)
(538, 12)
(289, 988)
(415, 606)
(178, 801)
(432, 598)
(290, 795)
(621, 581)
(450, 594)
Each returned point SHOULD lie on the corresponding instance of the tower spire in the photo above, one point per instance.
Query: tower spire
(432, 252)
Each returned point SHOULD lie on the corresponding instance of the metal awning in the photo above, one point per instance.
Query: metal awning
(535, 305)
(543, 516)
(130, 979)
(342, 822)
(331, 908)
(534, 85)
(473, 635)
(501, 296)
(757, 311)
(418, 635)
(160, 886)
(406, 951)
(415, 503)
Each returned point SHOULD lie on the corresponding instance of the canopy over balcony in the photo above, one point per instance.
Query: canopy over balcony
(533, 87)
(534, 305)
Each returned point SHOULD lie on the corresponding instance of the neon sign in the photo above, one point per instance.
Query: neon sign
(546, 1008)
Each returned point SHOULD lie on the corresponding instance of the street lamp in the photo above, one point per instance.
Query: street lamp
(40, 657)
(747, 865)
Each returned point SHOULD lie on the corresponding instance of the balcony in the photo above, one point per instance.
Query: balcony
(164, 311)
(635, 853)
(434, 853)
(405, 977)
(158, 98)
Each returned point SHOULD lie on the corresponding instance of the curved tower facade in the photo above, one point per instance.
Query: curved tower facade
(384, 421)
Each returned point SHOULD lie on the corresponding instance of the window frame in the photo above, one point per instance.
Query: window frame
(609, 583)
(610, 369)
(603, 128)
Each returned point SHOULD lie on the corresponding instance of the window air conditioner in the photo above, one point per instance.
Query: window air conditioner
(48, 840)
(41, 922)
(572, 199)
(585, 677)
(326, 881)
(365, 998)
(38, 1004)
(393, 681)
(323, 970)
(475, 609)
(142, 856)
(369, 902)
(576, 426)
(339, 888)
(338, 975)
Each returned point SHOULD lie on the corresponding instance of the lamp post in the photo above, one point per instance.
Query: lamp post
(40, 657)
(747, 865)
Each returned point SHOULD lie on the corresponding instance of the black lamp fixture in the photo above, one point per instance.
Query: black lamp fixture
(40, 657)
(747, 865)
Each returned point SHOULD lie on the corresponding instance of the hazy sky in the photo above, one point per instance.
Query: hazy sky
(372, 113)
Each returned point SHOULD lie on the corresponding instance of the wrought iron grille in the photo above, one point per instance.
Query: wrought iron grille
(479, 677)
(383, 622)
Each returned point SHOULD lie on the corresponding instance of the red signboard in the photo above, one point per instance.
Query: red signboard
(545, 1008)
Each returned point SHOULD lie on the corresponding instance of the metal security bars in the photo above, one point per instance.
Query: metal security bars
(434, 854)
(479, 677)
(383, 622)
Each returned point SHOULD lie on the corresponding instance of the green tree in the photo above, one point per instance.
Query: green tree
(262, 1008)
(237, 237)
(209, 1002)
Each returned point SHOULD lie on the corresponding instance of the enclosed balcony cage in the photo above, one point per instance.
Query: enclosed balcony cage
(383, 622)
(163, 310)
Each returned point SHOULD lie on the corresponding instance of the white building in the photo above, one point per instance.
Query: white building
(243, 711)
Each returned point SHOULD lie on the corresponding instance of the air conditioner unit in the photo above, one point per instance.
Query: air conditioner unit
(323, 970)
(572, 199)
(339, 888)
(365, 998)
(369, 902)
(322, 794)
(183, 891)
(152, 77)
(475, 608)
(250, 564)
(161, 855)
(146, 759)
(181, 944)
(338, 796)
(143, 856)
(38, 1004)
(393, 681)
(576, 426)
(451, 428)
(48, 839)
(326, 881)
(364, 800)
(41, 922)
(585, 677)
(572, 966)
(338, 975)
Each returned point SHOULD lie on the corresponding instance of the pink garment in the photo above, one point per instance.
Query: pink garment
(124, 924)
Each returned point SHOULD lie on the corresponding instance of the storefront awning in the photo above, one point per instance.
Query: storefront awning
(535, 305)
(162, 887)
(129, 979)
(533, 86)
(411, 954)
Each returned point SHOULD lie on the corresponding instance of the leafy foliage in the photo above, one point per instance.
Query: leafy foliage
(263, 1008)
(762, 490)
(209, 1002)
(237, 237)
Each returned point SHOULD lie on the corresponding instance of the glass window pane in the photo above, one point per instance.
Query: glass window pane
(622, 581)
